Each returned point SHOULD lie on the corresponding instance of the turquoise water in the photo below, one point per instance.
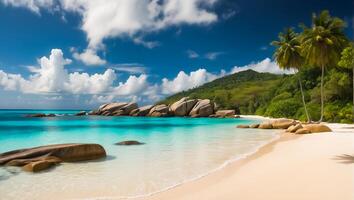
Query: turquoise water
(176, 150)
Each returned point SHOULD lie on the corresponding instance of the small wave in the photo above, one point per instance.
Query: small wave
(226, 163)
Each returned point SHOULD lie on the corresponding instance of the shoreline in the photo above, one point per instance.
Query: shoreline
(200, 188)
(223, 170)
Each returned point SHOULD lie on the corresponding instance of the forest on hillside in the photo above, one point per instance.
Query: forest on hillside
(321, 89)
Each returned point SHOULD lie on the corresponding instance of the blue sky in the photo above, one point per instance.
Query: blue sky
(137, 48)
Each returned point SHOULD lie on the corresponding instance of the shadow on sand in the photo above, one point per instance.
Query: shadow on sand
(345, 158)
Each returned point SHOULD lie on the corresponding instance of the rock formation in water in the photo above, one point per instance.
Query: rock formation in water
(43, 157)
(185, 107)
(129, 142)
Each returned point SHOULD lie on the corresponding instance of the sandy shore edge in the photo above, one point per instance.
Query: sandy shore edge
(238, 180)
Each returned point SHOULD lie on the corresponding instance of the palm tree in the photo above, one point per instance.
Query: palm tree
(288, 56)
(347, 61)
(323, 43)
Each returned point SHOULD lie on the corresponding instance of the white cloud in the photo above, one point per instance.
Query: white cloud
(184, 81)
(132, 68)
(127, 18)
(52, 77)
(33, 5)
(133, 86)
(266, 65)
(192, 54)
(213, 55)
(147, 44)
(209, 55)
(228, 14)
(89, 57)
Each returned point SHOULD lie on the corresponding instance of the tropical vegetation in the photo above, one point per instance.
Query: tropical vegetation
(322, 56)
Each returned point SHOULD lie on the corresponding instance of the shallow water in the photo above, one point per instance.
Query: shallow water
(176, 150)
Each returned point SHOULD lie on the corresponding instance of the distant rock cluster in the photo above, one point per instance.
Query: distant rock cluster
(291, 126)
(181, 108)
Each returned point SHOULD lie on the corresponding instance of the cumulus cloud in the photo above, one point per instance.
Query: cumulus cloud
(52, 77)
(122, 18)
(89, 57)
(184, 81)
(33, 5)
(266, 65)
(133, 85)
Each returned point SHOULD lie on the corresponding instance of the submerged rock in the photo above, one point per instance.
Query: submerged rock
(129, 142)
(81, 113)
(65, 152)
(242, 126)
(41, 115)
(21, 162)
(38, 166)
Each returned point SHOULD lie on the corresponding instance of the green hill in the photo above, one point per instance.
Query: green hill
(250, 92)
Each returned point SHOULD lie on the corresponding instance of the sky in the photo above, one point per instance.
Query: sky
(78, 54)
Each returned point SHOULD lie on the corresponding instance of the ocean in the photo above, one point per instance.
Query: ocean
(176, 150)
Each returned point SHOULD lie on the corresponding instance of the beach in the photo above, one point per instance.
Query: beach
(312, 166)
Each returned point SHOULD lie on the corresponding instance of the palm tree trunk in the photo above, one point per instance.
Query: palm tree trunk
(322, 98)
(303, 100)
(353, 93)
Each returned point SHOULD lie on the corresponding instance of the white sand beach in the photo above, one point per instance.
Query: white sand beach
(307, 167)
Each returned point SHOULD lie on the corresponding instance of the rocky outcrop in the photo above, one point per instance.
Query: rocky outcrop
(203, 108)
(242, 126)
(302, 131)
(129, 142)
(282, 123)
(294, 128)
(115, 109)
(225, 113)
(110, 107)
(41, 115)
(317, 128)
(125, 110)
(81, 113)
(254, 125)
(265, 125)
(64, 152)
(142, 111)
(182, 107)
(38, 166)
(161, 110)
(25, 161)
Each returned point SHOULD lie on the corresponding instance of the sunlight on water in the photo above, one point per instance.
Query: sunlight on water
(176, 150)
